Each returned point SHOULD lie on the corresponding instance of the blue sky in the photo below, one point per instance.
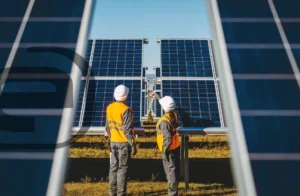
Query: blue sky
(150, 19)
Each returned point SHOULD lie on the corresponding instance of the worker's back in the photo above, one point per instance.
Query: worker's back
(114, 114)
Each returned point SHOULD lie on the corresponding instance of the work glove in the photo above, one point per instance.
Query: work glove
(133, 148)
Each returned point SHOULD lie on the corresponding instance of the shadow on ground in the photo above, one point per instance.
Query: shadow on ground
(201, 170)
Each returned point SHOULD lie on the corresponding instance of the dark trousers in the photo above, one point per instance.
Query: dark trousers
(171, 162)
(118, 170)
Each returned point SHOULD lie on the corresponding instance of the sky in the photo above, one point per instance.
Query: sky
(150, 19)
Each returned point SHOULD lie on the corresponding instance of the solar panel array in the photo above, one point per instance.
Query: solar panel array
(117, 58)
(262, 45)
(33, 104)
(197, 99)
(185, 58)
(111, 59)
(100, 95)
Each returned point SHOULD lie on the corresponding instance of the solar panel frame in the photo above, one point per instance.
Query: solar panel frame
(278, 155)
(193, 78)
(33, 156)
(91, 76)
(117, 57)
(180, 58)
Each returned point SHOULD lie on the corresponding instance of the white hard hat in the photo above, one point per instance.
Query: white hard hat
(167, 103)
(121, 93)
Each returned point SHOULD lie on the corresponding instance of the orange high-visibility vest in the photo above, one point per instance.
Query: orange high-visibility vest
(160, 139)
(114, 115)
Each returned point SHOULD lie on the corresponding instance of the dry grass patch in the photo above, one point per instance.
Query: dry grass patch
(149, 153)
(205, 138)
(145, 188)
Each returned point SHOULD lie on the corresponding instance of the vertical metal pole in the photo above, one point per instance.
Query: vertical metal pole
(240, 157)
(186, 163)
(59, 165)
(182, 157)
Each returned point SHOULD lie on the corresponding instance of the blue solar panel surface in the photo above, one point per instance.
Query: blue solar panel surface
(100, 95)
(144, 112)
(29, 131)
(267, 90)
(185, 58)
(157, 71)
(157, 105)
(144, 72)
(196, 102)
(118, 58)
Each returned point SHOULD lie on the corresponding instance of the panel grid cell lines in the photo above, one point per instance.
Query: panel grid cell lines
(185, 58)
(100, 95)
(196, 102)
(263, 50)
(37, 44)
(117, 58)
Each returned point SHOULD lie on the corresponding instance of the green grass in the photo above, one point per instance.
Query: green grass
(149, 153)
(145, 188)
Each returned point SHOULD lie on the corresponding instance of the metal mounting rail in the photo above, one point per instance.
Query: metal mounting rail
(140, 131)
(202, 131)
(99, 131)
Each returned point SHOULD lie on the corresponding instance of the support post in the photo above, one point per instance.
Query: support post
(182, 157)
(186, 162)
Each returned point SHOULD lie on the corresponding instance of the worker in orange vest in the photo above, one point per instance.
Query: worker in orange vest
(168, 142)
(119, 128)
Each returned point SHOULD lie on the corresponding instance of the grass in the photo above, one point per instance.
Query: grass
(145, 188)
(206, 147)
(205, 138)
(210, 147)
(149, 153)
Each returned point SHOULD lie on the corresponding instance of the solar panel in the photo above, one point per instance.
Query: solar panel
(144, 72)
(117, 57)
(157, 71)
(33, 97)
(196, 102)
(191, 61)
(263, 55)
(185, 58)
(158, 109)
(102, 96)
(144, 111)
